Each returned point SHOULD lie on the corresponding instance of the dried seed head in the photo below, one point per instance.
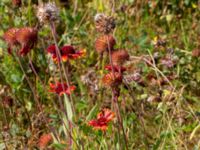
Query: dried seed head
(17, 3)
(47, 12)
(104, 24)
(10, 38)
(119, 57)
(104, 43)
(27, 37)
(112, 80)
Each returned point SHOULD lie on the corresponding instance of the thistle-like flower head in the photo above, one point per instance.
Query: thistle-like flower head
(27, 38)
(104, 24)
(47, 12)
(119, 57)
(104, 43)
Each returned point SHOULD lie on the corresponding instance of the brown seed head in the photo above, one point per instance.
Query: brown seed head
(112, 80)
(104, 24)
(104, 43)
(27, 37)
(119, 57)
(47, 12)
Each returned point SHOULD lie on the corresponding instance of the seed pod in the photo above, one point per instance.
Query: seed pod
(27, 38)
(47, 12)
(112, 80)
(104, 43)
(10, 38)
(104, 24)
(17, 3)
(119, 57)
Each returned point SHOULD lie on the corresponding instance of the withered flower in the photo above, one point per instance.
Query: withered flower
(103, 118)
(104, 43)
(104, 24)
(168, 62)
(27, 38)
(61, 88)
(47, 12)
(10, 38)
(111, 79)
(119, 57)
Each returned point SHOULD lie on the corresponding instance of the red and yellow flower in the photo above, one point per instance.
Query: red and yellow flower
(61, 88)
(103, 119)
(112, 79)
(67, 52)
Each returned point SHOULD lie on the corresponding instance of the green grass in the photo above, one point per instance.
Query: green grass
(157, 116)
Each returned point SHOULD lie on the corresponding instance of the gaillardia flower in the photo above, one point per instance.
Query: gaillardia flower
(103, 118)
(61, 89)
(10, 38)
(67, 52)
(27, 38)
(104, 43)
(111, 79)
(119, 57)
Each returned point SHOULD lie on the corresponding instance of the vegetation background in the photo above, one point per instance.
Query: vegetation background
(159, 102)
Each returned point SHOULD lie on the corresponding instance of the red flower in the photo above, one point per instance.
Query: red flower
(44, 140)
(61, 89)
(115, 68)
(67, 52)
(10, 38)
(27, 38)
(112, 80)
(103, 118)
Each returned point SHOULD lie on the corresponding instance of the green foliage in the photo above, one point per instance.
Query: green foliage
(160, 110)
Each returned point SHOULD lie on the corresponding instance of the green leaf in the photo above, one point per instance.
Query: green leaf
(68, 107)
(92, 112)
